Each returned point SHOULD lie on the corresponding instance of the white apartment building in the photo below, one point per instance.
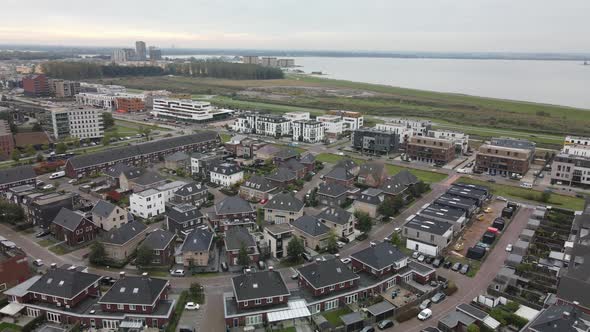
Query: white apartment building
(147, 204)
(170, 188)
(402, 130)
(250, 59)
(308, 131)
(416, 127)
(77, 122)
(119, 56)
(245, 124)
(333, 124)
(296, 116)
(187, 110)
(269, 61)
(460, 139)
(351, 120)
(226, 174)
(106, 100)
(272, 125)
(572, 165)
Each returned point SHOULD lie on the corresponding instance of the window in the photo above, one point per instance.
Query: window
(131, 307)
(269, 300)
(342, 285)
(331, 305)
(281, 299)
(120, 306)
(143, 308)
(245, 303)
(332, 287)
(432, 238)
(108, 306)
(253, 320)
(257, 301)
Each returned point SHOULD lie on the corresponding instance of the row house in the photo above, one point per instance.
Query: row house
(191, 193)
(324, 277)
(17, 176)
(14, 266)
(149, 152)
(427, 236)
(232, 211)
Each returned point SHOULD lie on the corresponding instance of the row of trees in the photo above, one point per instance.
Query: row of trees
(196, 68)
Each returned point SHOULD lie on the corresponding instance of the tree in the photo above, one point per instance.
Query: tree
(30, 150)
(39, 157)
(11, 213)
(146, 131)
(15, 155)
(295, 249)
(332, 246)
(145, 255)
(243, 258)
(106, 141)
(396, 239)
(44, 147)
(545, 196)
(473, 328)
(61, 148)
(364, 221)
(107, 120)
(391, 206)
(97, 254)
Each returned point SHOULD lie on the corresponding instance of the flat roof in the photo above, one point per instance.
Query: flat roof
(429, 225)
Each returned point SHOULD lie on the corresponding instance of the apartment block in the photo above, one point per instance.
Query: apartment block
(371, 140)
(505, 156)
(308, 131)
(63, 89)
(333, 124)
(431, 150)
(187, 110)
(413, 126)
(250, 59)
(460, 139)
(572, 165)
(36, 85)
(6, 139)
(77, 122)
(130, 104)
(351, 120)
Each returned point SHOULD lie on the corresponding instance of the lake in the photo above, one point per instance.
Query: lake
(552, 82)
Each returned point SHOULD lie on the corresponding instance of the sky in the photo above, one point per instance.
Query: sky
(363, 25)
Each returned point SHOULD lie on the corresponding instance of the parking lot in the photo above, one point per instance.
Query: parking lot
(473, 233)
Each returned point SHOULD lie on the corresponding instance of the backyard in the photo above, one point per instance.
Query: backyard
(333, 317)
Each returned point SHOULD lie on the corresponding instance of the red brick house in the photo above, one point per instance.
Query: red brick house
(231, 212)
(73, 228)
(162, 244)
(237, 238)
(14, 267)
(323, 278)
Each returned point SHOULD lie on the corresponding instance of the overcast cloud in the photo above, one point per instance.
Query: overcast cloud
(385, 25)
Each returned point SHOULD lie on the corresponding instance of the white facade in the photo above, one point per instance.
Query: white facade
(460, 139)
(107, 100)
(147, 204)
(226, 175)
(309, 131)
(296, 116)
(417, 127)
(186, 110)
(170, 188)
(396, 128)
(425, 248)
(351, 120)
(333, 124)
(119, 56)
(80, 123)
(244, 125)
(272, 125)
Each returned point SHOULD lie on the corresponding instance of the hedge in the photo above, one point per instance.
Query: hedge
(171, 327)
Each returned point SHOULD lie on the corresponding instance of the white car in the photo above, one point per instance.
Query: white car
(415, 254)
(38, 262)
(509, 247)
(397, 230)
(345, 260)
(425, 314)
(340, 244)
(177, 273)
(48, 186)
(501, 198)
(72, 181)
(191, 306)
(421, 258)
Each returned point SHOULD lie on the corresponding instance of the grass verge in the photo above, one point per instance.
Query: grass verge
(6, 327)
(533, 196)
(46, 242)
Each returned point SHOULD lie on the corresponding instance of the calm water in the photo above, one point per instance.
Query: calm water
(553, 82)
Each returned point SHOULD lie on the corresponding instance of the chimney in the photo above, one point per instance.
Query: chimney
(54, 266)
(122, 274)
(271, 268)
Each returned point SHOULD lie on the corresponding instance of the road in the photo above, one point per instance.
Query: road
(469, 288)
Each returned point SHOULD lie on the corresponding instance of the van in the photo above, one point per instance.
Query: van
(57, 175)
(526, 185)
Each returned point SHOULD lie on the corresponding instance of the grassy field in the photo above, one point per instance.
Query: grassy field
(556, 200)
(544, 124)
(426, 176)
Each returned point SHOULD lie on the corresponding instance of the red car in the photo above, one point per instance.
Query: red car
(263, 201)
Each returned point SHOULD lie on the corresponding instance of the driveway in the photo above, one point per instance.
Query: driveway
(469, 288)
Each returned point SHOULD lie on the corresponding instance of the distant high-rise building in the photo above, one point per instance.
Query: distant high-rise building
(250, 59)
(36, 85)
(119, 56)
(140, 50)
(155, 53)
(130, 54)
(269, 62)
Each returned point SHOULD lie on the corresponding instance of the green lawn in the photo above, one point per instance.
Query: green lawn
(556, 200)
(6, 327)
(287, 329)
(225, 137)
(122, 130)
(58, 250)
(223, 101)
(334, 316)
(426, 176)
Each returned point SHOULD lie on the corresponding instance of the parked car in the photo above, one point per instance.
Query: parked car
(48, 186)
(456, 266)
(345, 260)
(397, 230)
(447, 264)
(42, 233)
(425, 314)
(415, 254)
(177, 273)
(509, 247)
(491, 181)
(224, 266)
(72, 181)
(385, 324)
(501, 198)
(433, 283)
(429, 260)
(465, 269)
(340, 244)
(306, 256)
(425, 304)
(295, 276)
(191, 306)
(421, 258)
(438, 297)
(38, 262)
(367, 328)
(438, 261)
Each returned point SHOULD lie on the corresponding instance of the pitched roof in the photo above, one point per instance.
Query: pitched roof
(307, 158)
(197, 240)
(406, 178)
(158, 239)
(259, 183)
(137, 290)
(311, 225)
(103, 208)
(393, 186)
(16, 174)
(335, 214)
(226, 169)
(64, 283)
(177, 156)
(346, 163)
(183, 212)
(190, 188)
(371, 196)
(268, 149)
(332, 189)
(116, 170)
(321, 274)
(293, 165)
(284, 202)
(147, 178)
(259, 285)
(555, 319)
(340, 173)
(233, 205)
(116, 154)
(124, 233)
(69, 219)
(282, 174)
(238, 237)
(286, 153)
(429, 225)
(372, 167)
(380, 256)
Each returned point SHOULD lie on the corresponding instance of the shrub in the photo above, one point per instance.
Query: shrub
(408, 314)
